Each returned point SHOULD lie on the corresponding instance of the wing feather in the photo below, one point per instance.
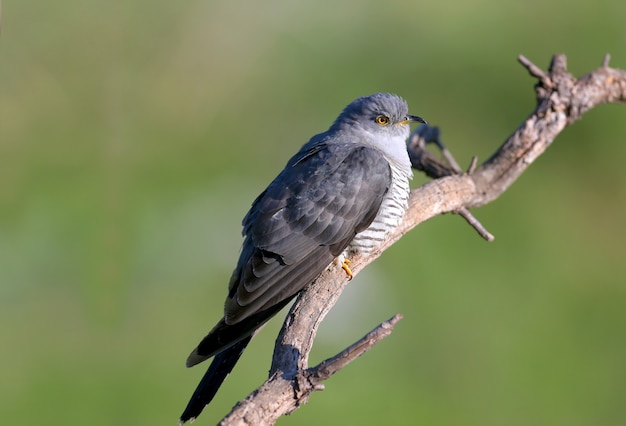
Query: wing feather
(303, 220)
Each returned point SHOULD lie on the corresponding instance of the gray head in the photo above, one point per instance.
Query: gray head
(380, 114)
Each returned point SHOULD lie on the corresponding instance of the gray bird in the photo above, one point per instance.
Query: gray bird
(341, 194)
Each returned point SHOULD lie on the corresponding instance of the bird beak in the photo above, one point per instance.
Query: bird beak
(409, 118)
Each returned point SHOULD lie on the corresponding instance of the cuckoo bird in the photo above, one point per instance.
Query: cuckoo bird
(341, 194)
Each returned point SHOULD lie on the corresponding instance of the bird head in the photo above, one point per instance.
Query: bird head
(380, 114)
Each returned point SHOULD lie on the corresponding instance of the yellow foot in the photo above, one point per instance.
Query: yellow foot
(345, 266)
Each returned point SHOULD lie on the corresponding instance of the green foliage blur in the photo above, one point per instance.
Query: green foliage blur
(134, 136)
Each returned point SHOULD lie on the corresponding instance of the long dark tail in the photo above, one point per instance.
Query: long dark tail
(219, 369)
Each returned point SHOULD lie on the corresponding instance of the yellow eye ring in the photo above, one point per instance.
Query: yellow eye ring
(382, 120)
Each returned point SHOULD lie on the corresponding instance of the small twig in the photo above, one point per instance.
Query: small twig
(469, 217)
(473, 164)
(328, 367)
(423, 160)
(558, 65)
(606, 60)
(535, 71)
(448, 156)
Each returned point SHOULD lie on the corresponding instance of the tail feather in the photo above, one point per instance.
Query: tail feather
(219, 369)
(226, 342)
(225, 335)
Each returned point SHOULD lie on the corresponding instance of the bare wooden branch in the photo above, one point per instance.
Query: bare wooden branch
(285, 391)
(297, 385)
(561, 100)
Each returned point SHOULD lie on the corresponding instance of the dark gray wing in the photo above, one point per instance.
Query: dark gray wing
(305, 218)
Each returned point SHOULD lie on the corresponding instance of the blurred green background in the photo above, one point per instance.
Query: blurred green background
(134, 135)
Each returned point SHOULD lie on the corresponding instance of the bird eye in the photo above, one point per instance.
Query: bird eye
(382, 120)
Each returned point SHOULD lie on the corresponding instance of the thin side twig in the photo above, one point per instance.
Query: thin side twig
(469, 217)
(535, 71)
(327, 368)
(284, 392)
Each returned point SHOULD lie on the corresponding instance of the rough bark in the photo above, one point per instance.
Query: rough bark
(561, 100)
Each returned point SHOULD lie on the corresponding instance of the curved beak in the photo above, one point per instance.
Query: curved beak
(414, 118)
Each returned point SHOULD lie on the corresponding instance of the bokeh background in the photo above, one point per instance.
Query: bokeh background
(134, 135)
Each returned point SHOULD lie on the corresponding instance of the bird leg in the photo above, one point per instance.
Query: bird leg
(345, 265)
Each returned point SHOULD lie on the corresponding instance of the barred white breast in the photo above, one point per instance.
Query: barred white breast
(391, 210)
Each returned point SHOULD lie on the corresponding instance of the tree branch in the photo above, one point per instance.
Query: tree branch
(284, 392)
(561, 100)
